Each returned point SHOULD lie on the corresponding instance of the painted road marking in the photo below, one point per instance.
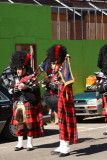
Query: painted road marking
(92, 129)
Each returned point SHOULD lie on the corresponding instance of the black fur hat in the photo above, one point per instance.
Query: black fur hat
(56, 53)
(20, 59)
(102, 59)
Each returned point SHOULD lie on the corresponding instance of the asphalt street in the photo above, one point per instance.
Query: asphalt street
(92, 144)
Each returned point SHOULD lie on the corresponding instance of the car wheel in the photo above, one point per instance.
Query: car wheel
(9, 131)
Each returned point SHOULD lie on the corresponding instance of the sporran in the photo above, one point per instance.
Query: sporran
(20, 113)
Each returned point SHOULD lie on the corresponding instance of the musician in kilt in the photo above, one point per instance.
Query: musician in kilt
(102, 80)
(64, 101)
(26, 107)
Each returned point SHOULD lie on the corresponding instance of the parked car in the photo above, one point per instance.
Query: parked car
(7, 130)
(86, 103)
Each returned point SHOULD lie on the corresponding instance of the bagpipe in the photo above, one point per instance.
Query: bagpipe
(64, 72)
(32, 78)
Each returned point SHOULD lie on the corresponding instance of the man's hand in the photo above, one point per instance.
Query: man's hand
(21, 86)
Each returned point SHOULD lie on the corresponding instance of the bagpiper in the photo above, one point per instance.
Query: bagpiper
(60, 97)
(26, 107)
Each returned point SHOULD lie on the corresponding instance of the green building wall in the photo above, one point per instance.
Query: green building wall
(31, 24)
(21, 23)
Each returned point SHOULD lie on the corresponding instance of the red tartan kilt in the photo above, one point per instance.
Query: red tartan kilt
(31, 113)
(34, 116)
(104, 111)
(66, 116)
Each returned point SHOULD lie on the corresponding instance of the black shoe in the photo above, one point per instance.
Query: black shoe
(30, 149)
(105, 133)
(18, 149)
(63, 154)
(54, 153)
